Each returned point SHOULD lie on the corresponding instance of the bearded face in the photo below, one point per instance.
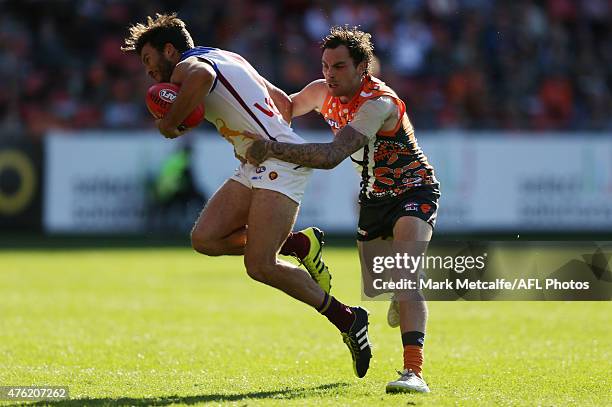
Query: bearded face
(156, 64)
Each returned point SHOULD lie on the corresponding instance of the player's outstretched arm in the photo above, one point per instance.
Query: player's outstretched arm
(314, 155)
(196, 79)
(367, 122)
(308, 99)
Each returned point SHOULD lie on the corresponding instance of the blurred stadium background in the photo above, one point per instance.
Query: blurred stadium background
(511, 101)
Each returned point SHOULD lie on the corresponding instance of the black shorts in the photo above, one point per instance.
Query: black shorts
(377, 219)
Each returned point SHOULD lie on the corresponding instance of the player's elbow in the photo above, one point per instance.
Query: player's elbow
(329, 165)
(333, 159)
(287, 112)
(283, 103)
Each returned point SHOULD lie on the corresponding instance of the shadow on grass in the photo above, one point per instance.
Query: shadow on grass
(285, 394)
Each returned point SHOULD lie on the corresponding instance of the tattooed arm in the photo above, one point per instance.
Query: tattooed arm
(314, 155)
(380, 113)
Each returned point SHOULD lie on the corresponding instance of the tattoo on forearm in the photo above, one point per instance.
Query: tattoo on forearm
(320, 155)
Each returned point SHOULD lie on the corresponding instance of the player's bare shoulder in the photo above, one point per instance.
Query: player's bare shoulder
(192, 66)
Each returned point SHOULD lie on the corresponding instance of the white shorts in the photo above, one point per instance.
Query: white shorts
(287, 178)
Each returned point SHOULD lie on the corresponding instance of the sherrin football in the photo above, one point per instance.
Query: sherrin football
(161, 96)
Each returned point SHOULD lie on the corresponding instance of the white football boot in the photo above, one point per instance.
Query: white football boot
(408, 382)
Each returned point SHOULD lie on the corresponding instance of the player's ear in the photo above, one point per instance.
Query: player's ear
(169, 50)
(361, 67)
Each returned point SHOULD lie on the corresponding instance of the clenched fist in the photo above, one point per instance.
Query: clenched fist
(169, 132)
(259, 151)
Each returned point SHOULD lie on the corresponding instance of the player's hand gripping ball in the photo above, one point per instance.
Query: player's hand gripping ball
(159, 99)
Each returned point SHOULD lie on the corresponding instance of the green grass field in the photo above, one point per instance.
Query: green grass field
(168, 326)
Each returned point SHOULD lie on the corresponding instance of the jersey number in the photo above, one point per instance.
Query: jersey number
(271, 112)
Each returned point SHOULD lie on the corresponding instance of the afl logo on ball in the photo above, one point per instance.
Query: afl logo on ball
(167, 95)
(273, 175)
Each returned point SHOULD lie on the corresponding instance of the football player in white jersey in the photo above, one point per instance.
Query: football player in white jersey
(254, 211)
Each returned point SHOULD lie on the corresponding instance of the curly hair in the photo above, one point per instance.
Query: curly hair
(163, 29)
(359, 43)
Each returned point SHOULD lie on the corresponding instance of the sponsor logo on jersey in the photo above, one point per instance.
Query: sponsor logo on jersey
(333, 123)
(256, 177)
(273, 175)
(260, 169)
(362, 232)
(411, 206)
(167, 95)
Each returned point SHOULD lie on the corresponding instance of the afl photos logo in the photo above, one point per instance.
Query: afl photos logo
(167, 95)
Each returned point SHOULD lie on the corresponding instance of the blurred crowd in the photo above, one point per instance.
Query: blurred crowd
(458, 64)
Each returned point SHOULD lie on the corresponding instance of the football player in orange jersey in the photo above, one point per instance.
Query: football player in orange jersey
(399, 192)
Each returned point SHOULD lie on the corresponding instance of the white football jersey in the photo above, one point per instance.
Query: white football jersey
(239, 101)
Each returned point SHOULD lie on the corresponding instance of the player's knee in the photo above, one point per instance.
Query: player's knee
(259, 269)
(200, 244)
(205, 248)
(256, 273)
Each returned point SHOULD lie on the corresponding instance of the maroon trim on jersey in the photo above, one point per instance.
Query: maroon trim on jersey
(234, 93)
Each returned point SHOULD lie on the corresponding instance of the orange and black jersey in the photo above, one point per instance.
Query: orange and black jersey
(392, 162)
